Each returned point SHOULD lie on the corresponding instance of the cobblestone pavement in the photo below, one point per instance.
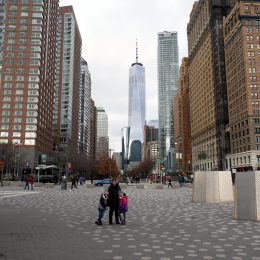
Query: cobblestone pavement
(161, 224)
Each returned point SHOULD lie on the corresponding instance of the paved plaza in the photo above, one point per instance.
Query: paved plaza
(161, 224)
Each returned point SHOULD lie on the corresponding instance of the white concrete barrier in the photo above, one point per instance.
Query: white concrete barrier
(123, 186)
(38, 184)
(48, 185)
(212, 186)
(247, 195)
(158, 186)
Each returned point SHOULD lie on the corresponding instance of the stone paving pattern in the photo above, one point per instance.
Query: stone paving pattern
(161, 224)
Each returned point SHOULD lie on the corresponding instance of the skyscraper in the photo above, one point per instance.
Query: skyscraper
(168, 73)
(181, 119)
(136, 108)
(207, 82)
(28, 55)
(102, 133)
(68, 82)
(84, 109)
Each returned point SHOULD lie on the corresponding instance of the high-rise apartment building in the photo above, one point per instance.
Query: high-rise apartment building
(242, 52)
(28, 35)
(102, 145)
(207, 82)
(68, 83)
(84, 109)
(182, 120)
(93, 130)
(136, 108)
(168, 73)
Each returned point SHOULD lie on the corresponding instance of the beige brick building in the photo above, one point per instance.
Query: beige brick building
(242, 52)
(207, 82)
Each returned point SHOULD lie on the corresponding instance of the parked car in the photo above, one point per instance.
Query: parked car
(102, 182)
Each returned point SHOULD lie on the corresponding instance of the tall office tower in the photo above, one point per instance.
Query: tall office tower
(135, 152)
(125, 134)
(154, 123)
(182, 120)
(151, 144)
(168, 74)
(93, 130)
(84, 109)
(242, 52)
(69, 70)
(207, 81)
(150, 134)
(28, 52)
(136, 108)
(102, 133)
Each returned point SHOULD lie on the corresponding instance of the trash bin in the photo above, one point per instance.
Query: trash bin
(64, 183)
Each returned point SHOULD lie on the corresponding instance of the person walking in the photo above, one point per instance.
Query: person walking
(169, 183)
(30, 181)
(26, 182)
(73, 182)
(113, 201)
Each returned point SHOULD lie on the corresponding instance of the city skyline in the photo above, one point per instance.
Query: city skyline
(108, 33)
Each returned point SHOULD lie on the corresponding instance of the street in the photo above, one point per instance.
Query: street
(161, 224)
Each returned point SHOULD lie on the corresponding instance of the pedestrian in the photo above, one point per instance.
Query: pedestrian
(113, 201)
(30, 180)
(73, 182)
(169, 183)
(181, 180)
(123, 207)
(26, 182)
(102, 206)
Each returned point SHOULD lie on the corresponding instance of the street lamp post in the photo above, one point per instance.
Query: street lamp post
(110, 162)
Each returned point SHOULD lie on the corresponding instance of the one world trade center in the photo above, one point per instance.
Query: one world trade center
(136, 108)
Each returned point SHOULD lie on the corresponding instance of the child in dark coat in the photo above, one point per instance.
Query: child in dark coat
(102, 207)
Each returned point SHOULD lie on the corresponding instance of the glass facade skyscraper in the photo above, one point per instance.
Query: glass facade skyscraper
(136, 108)
(102, 133)
(168, 73)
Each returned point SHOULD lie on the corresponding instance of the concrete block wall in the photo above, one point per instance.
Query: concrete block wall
(212, 186)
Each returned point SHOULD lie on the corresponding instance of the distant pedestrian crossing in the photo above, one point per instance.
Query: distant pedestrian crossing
(9, 194)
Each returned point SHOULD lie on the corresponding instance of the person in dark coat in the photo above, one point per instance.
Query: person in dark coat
(113, 201)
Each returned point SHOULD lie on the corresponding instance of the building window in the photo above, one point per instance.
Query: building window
(16, 134)
(29, 142)
(4, 134)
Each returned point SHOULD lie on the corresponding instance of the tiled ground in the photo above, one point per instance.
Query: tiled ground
(161, 224)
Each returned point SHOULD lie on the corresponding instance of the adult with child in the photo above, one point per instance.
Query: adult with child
(113, 201)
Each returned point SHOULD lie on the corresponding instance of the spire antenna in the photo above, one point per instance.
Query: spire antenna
(136, 51)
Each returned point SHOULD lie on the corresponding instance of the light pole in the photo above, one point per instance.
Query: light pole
(176, 156)
(110, 162)
(18, 158)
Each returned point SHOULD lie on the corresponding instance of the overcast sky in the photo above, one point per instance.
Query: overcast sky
(109, 29)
